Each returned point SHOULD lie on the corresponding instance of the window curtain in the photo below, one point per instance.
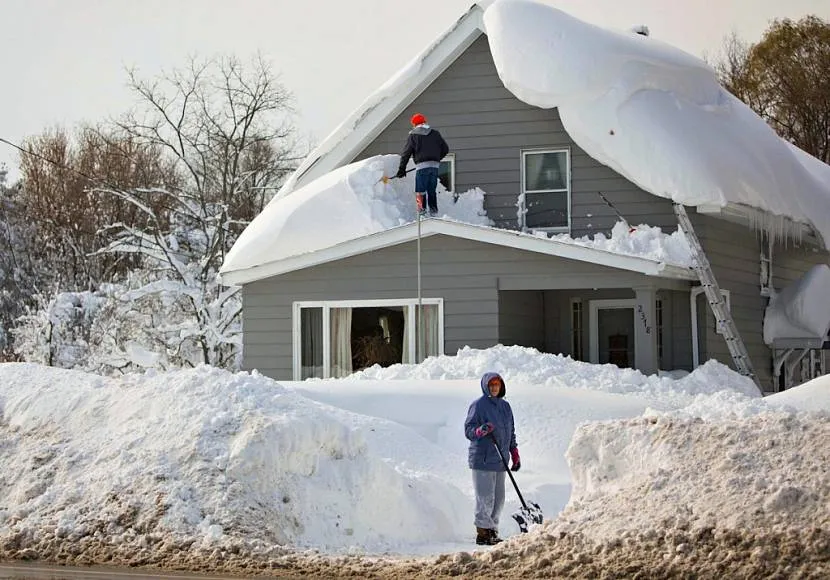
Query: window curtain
(405, 358)
(430, 330)
(426, 345)
(311, 343)
(341, 342)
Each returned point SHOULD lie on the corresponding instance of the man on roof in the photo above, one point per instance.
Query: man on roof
(427, 148)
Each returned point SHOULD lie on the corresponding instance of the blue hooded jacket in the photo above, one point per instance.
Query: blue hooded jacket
(496, 410)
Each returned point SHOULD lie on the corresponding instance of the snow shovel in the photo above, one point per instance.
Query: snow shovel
(386, 180)
(532, 513)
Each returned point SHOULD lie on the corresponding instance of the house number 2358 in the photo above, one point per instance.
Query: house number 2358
(643, 318)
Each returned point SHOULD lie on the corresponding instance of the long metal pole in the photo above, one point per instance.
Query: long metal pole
(419, 324)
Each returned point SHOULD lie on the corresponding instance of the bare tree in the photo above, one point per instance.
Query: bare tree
(61, 206)
(785, 78)
(229, 133)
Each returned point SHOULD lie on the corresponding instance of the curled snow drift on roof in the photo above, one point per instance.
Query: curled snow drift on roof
(802, 309)
(652, 112)
(343, 205)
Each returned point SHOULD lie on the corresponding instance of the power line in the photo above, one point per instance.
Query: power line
(57, 164)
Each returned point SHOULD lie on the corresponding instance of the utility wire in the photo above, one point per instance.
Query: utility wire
(53, 162)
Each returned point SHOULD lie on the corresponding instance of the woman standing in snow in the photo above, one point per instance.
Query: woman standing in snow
(490, 423)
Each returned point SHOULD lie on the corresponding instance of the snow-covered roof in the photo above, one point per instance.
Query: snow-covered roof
(490, 235)
(650, 111)
(351, 210)
(799, 315)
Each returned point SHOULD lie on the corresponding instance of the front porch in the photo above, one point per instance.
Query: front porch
(645, 327)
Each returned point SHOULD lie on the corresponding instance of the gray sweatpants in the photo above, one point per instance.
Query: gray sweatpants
(489, 488)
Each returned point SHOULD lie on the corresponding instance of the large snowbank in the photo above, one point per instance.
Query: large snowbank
(661, 465)
(524, 365)
(204, 469)
(200, 454)
(653, 113)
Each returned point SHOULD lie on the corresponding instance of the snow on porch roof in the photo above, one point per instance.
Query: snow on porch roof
(799, 315)
(431, 227)
(650, 111)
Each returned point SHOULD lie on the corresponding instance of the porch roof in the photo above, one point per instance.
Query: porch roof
(490, 235)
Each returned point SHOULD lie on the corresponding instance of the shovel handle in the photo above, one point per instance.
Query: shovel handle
(507, 468)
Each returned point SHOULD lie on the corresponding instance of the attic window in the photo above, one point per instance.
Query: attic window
(446, 172)
(546, 184)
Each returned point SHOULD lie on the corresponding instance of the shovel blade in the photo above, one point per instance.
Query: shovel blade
(525, 516)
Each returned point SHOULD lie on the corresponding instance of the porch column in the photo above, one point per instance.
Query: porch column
(645, 332)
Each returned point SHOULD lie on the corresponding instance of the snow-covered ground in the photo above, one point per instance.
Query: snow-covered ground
(376, 463)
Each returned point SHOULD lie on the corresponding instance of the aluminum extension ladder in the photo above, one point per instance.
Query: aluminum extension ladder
(723, 316)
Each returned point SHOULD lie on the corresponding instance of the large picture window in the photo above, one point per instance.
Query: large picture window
(337, 338)
(546, 185)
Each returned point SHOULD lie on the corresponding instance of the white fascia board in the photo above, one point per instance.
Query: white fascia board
(373, 121)
(430, 227)
(354, 247)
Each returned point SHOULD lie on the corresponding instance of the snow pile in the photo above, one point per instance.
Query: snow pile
(206, 470)
(653, 113)
(667, 497)
(201, 454)
(802, 309)
(644, 241)
(347, 203)
(524, 365)
(765, 471)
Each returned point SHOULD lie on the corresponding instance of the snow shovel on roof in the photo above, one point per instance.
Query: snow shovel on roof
(386, 179)
(527, 514)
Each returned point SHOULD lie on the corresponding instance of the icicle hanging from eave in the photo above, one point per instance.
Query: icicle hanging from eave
(779, 228)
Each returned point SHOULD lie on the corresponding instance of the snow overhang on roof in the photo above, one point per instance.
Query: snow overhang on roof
(650, 111)
(799, 315)
(431, 227)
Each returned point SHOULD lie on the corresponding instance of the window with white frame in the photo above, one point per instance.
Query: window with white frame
(546, 189)
(446, 172)
(337, 338)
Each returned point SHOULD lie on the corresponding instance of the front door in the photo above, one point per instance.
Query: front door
(612, 332)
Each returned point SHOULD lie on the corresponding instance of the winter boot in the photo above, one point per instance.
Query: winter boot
(484, 537)
(494, 537)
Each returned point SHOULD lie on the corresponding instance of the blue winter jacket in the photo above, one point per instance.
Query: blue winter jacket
(496, 410)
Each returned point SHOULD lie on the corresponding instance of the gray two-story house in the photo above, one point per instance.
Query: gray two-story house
(329, 312)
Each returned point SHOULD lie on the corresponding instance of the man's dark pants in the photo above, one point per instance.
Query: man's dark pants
(426, 180)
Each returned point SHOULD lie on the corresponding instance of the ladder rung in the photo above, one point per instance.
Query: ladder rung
(723, 316)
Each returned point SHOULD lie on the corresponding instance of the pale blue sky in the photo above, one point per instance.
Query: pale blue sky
(63, 61)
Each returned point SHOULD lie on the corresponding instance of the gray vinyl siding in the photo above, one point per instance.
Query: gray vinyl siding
(464, 273)
(521, 318)
(790, 262)
(734, 253)
(556, 339)
(487, 128)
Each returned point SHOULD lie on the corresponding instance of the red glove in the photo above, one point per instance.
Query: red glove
(484, 430)
(514, 455)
